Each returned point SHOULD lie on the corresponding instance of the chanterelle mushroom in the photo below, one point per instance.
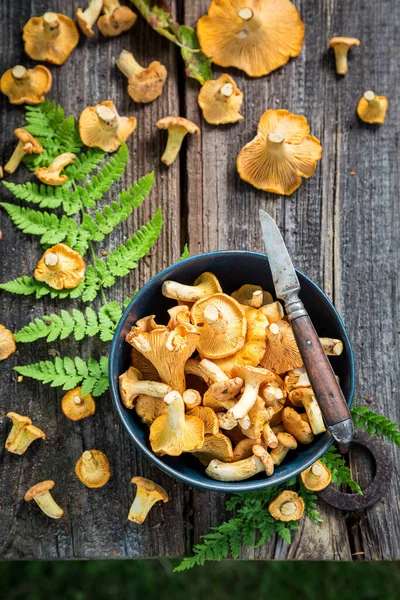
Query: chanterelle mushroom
(222, 325)
(295, 425)
(221, 394)
(252, 295)
(60, 267)
(204, 286)
(286, 442)
(88, 17)
(175, 432)
(253, 378)
(144, 84)
(27, 144)
(288, 506)
(26, 86)
(131, 386)
(256, 36)
(209, 418)
(305, 397)
(147, 494)
(281, 153)
(149, 408)
(177, 128)
(75, 406)
(281, 353)
(216, 446)
(101, 126)
(372, 108)
(317, 477)
(341, 47)
(93, 469)
(40, 493)
(235, 471)
(7, 343)
(51, 175)
(116, 18)
(220, 100)
(22, 434)
(51, 37)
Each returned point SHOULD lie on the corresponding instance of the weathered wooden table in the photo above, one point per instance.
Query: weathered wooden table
(342, 227)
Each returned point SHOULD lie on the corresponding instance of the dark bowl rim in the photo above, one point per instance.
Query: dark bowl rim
(218, 486)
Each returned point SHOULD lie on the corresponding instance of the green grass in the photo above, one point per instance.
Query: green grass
(148, 580)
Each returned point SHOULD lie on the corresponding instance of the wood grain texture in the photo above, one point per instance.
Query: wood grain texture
(341, 227)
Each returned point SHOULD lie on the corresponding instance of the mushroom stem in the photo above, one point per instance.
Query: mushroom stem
(246, 402)
(341, 52)
(176, 412)
(275, 140)
(141, 506)
(213, 371)
(256, 299)
(274, 311)
(269, 436)
(245, 13)
(288, 508)
(235, 471)
(191, 398)
(182, 292)
(92, 12)
(174, 143)
(91, 464)
(215, 319)
(332, 346)
(109, 6)
(61, 161)
(21, 149)
(48, 505)
(314, 414)
(107, 117)
(51, 26)
(127, 64)
(226, 90)
(51, 260)
(19, 73)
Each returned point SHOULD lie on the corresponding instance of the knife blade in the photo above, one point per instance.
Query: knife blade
(320, 373)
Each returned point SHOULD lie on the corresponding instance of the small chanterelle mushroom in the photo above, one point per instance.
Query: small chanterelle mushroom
(205, 285)
(116, 18)
(27, 144)
(26, 86)
(22, 434)
(237, 471)
(288, 506)
(51, 175)
(317, 477)
(220, 100)
(7, 343)
(341, 47)
(281, 153)
(93, 469)
(40, 493)
(101, 126)
(75, 406)
(147, 494)
(252, 295)
(177, 128)
(144, 84)
(88, 17)
(51, 37)
(281, 353)
(131, 386)
(60, 267)
(253, 378)
(372, 109)
(255, 36)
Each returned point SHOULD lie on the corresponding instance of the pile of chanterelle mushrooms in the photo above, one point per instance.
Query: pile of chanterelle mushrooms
(223, 380)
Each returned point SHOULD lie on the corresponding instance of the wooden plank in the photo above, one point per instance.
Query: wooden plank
(341, 229)
(95, 522)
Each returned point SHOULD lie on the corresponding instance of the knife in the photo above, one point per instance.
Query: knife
(320, 373)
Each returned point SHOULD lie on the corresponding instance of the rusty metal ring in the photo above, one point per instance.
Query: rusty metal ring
(379, 485)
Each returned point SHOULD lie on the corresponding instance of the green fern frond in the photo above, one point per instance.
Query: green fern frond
(85, 163)
(68, 373)
(185, 253)
(341, 473)
(27, 286)
(46, 196)
(376, 424)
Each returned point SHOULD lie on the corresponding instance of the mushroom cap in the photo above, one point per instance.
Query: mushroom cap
(295, 425)
(142, 364)
(19, 420)
(259, 414)
(266, 40)
(147, 85)
(97, 134)
(209, 418)
(220, 100)
(75, 406)
(39, 488)
(343, 41)
(54, 49)
(7, 344)
(130, 390)
(255, 375)
(122, 19)
(281, 353)
(215, 343)
(93, 469)
(150, 488)
(281, 153)
(25, 137)
(317, 477)
(178, 123)
(29, 89)
(288, 506)
(217, 446)
(85, 24)
(296, 378)
(67, 273)
(206, 285)
(149, 408)
(245, 295)
(372, 108)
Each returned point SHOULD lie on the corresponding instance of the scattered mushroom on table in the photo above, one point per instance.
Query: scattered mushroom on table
(372, 108)
(27, 144)
(26, 86)
(50, 38)
(22, 434)
(220, 100)
(102, 127)
(60, 267)
(7, 343)
(145, 84)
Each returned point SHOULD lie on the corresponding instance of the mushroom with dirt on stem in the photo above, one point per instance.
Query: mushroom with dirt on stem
(235, 471)
(26, 86)
(131, 386)
(221, 395)
(205, 285)
(305, 397)
(177, 128)
(331, 346)
(145, 84)
(147, 494)
(220, 100)
(22, 434)
(281, 353)
(40, 493)
(101, 126)
(93, 469)
(149, 408)
(258, 415)
(51, 37)
(253, 378)
(269, 436)
(27, 144)
(51, 175)
(88, 17)
(317, 477)
(294, 424)
(175, 432)
(75, 406)
(60, 267)
(7, 343)
(286, 442)
(115, 19)
(341, 47)
(288, 506)
(281, 154)
(372, 108)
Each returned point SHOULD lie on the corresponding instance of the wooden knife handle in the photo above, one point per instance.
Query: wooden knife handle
(320, 373)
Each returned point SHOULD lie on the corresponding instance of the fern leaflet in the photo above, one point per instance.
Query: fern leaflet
(376, 424)
(340, 471)
(46, 196)
(185, 253)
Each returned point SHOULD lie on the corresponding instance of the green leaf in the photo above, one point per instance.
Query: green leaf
(85, 163)
(341, 473)
(185, 253)
(46, 196)
(374, 423)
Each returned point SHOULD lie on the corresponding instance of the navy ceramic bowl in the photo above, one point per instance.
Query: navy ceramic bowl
(233, 269)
